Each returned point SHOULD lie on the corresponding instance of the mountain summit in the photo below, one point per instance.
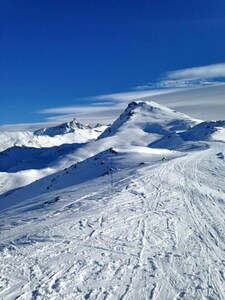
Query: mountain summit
(150, 117)
(135, 214)
(61, 129)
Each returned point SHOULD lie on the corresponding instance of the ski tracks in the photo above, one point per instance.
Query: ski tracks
(158, 234)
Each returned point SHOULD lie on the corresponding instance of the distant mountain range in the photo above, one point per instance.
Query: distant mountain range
(134, 210)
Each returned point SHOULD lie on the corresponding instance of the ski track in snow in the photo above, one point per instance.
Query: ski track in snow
(157, 234)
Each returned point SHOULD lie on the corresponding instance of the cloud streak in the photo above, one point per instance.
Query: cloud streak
(75, 109)
(176, 84)
(203, 72)
(200, 101)
(130, 96)
(197, 91)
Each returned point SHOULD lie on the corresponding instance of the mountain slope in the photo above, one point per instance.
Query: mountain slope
(131, 138)
(135, 214)
(206, 131)
(61, 129)
(157, 232)
(105, 163)
(193, 137)
(26, 156)
(67, 133)
(151, 118)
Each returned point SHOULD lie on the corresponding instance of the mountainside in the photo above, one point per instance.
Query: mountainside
(150, 122)
(144, 123)
(27, 156)
(137, 213)
(67, 133)
(62, 129)
(207, 131)
(151, 118)
(204, 131)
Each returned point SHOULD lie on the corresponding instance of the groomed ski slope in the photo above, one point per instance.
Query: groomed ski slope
(157, 233)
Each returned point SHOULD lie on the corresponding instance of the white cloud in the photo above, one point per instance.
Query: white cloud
(200, 101)
(210, 71)
(75, 109)
(103, 103)
(26, 126)
(193, 91)
(130, 96)
(206, 103)
(92, 118)
(105, 111)
(176, 83)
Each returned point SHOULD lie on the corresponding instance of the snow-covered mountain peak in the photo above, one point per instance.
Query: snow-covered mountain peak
(150, 117)
(146, 105)
(61, 129)
(141, 106)
(66, 133)
(87, 218)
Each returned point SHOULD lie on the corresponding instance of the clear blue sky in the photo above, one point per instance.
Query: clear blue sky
(54, 52)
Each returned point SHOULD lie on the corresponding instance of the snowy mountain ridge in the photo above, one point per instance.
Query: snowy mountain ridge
(66, 133)
(137, 213)
(61, 129)
(146, 114)
(26, 157)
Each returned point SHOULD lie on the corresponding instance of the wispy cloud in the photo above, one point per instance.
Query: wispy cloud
(202, 100)
(129, 96)
(91, 118)
(75, 109)
(203, 72)
(197, 91)
(102, 103)
(175, 84)
(27, 126)
(189, 78)
(206, 103)
(100, 109)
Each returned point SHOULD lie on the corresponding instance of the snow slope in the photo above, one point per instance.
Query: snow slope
(26, 156)
(149, 117)
(204, 131)
(128, 222)
(68, 133)
(102, 164)
(158, 233)
(61, 129)
(211, 130)
(149, 122)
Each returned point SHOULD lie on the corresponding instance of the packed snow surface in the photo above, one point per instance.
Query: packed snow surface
(123, 220)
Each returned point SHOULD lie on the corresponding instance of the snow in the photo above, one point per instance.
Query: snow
(211, 130)
(49, 137)
(27, 156)
(150, 117)
(119, 219)
(62, 129)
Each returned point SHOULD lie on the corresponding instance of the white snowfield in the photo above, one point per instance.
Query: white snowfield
(128, 222)
(67, 133)
(27, 156)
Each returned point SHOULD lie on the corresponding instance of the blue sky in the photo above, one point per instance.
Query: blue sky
(62, 54)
